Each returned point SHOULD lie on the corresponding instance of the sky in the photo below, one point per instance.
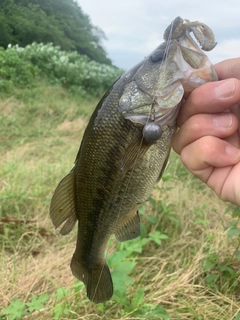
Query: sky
(134, 28)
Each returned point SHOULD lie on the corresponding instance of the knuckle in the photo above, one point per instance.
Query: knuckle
(196, 154)
(196, 123)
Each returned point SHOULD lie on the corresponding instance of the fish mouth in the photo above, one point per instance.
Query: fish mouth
(178, 75)
(155, 88)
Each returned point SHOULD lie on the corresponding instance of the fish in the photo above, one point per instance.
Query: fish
(125, 149)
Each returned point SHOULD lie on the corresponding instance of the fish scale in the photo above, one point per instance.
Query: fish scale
(125, 149)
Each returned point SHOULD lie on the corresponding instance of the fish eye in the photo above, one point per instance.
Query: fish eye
(157, 56)
(152, 132)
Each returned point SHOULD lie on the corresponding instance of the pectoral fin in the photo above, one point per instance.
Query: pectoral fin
(135, 151)
(130, 230)
(164, 166)
(62, 208)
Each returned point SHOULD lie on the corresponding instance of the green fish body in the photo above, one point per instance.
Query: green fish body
(123, 153)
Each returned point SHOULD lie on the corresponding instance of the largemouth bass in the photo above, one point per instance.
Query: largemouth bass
(125, 149)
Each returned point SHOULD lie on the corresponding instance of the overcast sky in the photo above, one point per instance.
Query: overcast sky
(135, 27)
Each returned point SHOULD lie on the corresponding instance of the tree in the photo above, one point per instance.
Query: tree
(61, 22)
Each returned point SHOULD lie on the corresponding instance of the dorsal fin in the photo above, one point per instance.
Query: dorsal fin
(62, 208)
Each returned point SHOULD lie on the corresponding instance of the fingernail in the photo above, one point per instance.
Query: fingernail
(225, 89)
(233, 152)
(223, 120)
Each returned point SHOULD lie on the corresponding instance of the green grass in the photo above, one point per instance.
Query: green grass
(185, 265)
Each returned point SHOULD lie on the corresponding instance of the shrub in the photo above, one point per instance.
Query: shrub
(23, 66)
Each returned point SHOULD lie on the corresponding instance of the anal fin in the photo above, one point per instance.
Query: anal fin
(62, 208)
(130, 230)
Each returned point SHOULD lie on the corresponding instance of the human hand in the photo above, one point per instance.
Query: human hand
(208, 140)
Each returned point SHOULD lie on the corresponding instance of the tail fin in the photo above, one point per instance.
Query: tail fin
(97, 279)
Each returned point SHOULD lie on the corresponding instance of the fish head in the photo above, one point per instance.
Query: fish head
(155, 88)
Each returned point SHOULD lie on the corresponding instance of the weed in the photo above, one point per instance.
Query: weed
(17, 309)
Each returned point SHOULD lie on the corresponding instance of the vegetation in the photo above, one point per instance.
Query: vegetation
(23, 67)
(61, 22)
(184, 266)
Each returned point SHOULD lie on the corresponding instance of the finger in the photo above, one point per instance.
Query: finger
(213, 97)
(219, 125)
(223, 181)
(203, 155)
(228, 68)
